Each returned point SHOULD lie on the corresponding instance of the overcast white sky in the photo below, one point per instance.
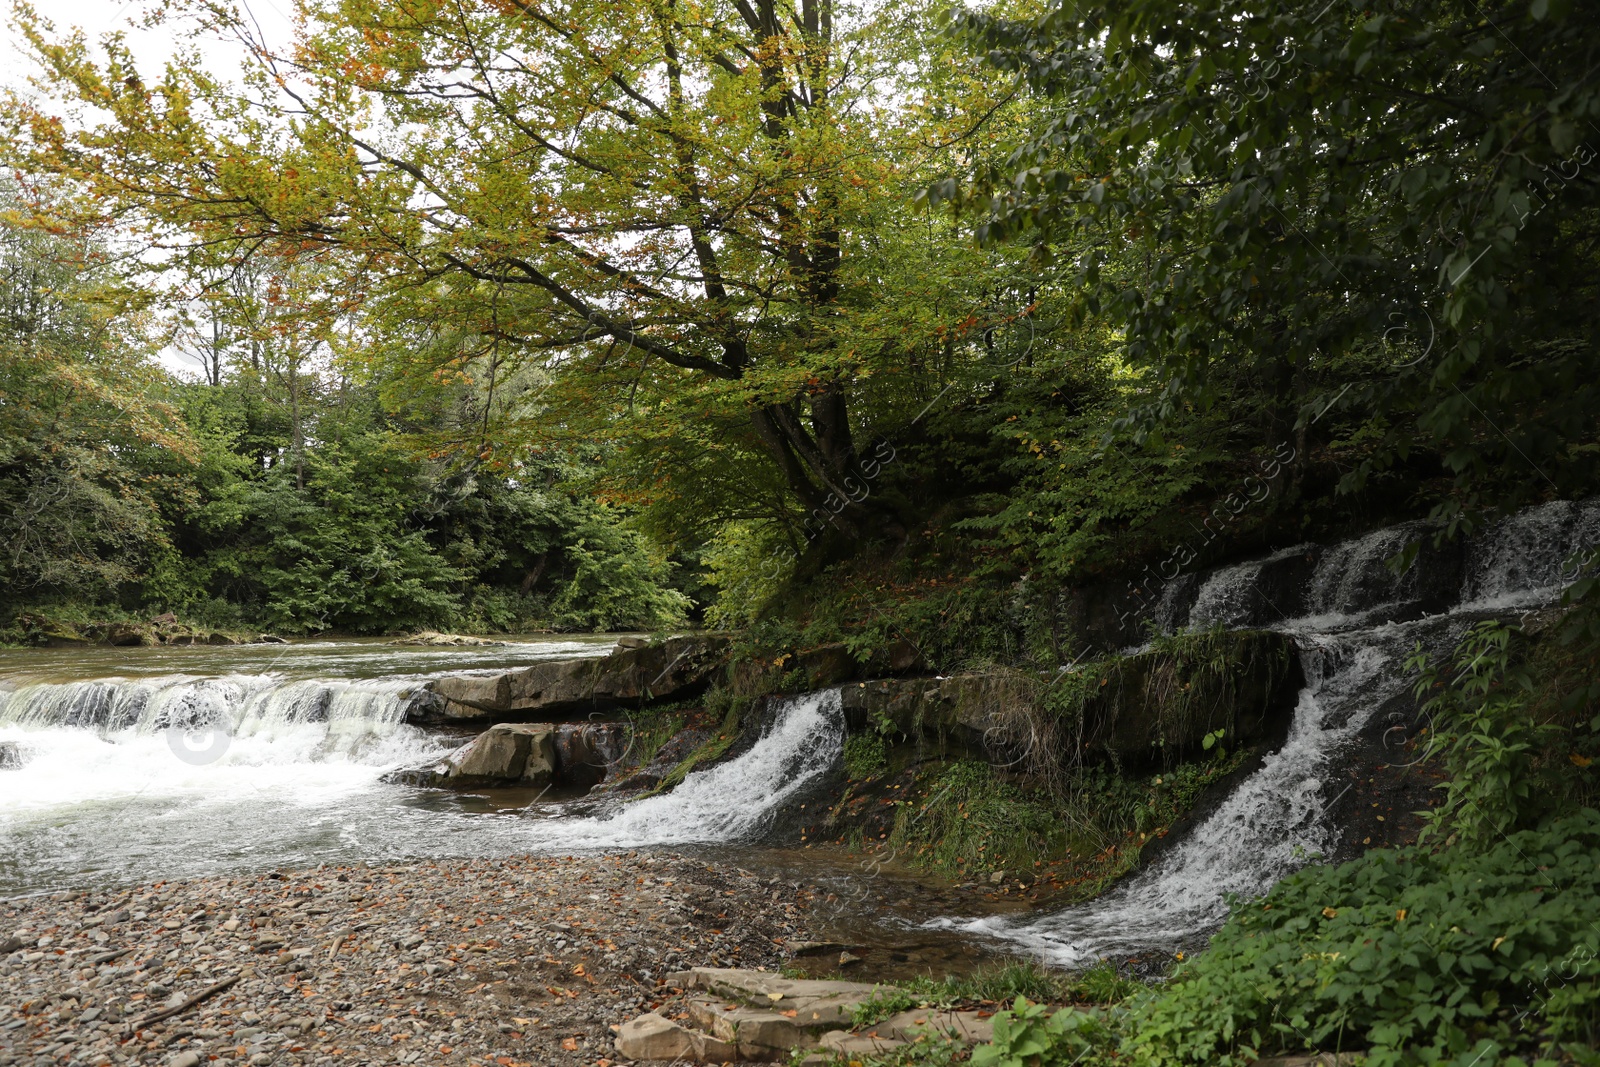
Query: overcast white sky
(98, 17)
(151, 47)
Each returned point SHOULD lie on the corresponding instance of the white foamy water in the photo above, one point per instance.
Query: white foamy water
(137, 775)
(175, 776)
(729, 802)
(1522, 561)
(1230, 596)
(1277, 820)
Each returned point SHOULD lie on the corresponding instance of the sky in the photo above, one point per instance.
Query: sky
(152, 48)
(97, 17)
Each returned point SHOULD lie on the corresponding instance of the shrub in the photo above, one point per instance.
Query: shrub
(1414, 956)
(1030, 1035)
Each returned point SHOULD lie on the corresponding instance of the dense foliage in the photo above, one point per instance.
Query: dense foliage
(279, 491)
(1414, 956)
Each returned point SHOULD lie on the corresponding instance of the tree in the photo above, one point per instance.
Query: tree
(81, 418)
(1388, 209)
(652, 188)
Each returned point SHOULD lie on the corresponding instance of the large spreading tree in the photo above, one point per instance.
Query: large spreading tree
(655, 197)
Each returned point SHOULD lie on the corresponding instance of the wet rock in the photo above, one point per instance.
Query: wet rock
(586, 751)
(1146, 710)
(10, 755)
(125, 634)
(677, 667)
(434, 639)
(508, 754)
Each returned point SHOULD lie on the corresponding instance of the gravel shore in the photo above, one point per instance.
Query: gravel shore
(510, 962)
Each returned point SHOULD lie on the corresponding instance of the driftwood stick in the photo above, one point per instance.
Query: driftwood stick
(205, 994)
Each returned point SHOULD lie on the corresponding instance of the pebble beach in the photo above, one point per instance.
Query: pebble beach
(523, 961)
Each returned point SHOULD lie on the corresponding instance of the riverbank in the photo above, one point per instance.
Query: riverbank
(527, 960)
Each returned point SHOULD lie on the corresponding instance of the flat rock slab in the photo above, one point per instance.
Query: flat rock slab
(816, 1004)
(971, 1027)
(761, 1035)
(762, 985)
(674, 668)
(655, 1037)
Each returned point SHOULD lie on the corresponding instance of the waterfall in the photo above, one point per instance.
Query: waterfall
(1277, 819)
(342, 719)
(1520, 562)
(729, 802)
(1234, 596)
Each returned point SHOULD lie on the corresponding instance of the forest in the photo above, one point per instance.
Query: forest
(874, 325)
(685, 326)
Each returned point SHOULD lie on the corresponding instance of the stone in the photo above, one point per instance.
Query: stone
(185, 1059)
(965, 1026)
(434, 639)
(520, 751)
(675, 668)
(507, 754)
(655, 1037)
(815, 948)
(128, 634)
(586, 751)
(843, 1042)
(1127, 719)
(816, 1003)
(760, 1034)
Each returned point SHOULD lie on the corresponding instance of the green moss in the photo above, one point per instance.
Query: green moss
(970, 821)
(652, 728)
(709, 751)
(865, 755)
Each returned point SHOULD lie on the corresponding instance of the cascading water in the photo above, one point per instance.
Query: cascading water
(1277, 819)
(179, 773)
(728, 802)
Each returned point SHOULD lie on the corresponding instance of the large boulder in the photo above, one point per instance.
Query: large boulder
(552, 691)
(509, 754)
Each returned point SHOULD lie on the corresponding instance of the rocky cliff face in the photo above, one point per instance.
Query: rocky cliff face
(1138, 711)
